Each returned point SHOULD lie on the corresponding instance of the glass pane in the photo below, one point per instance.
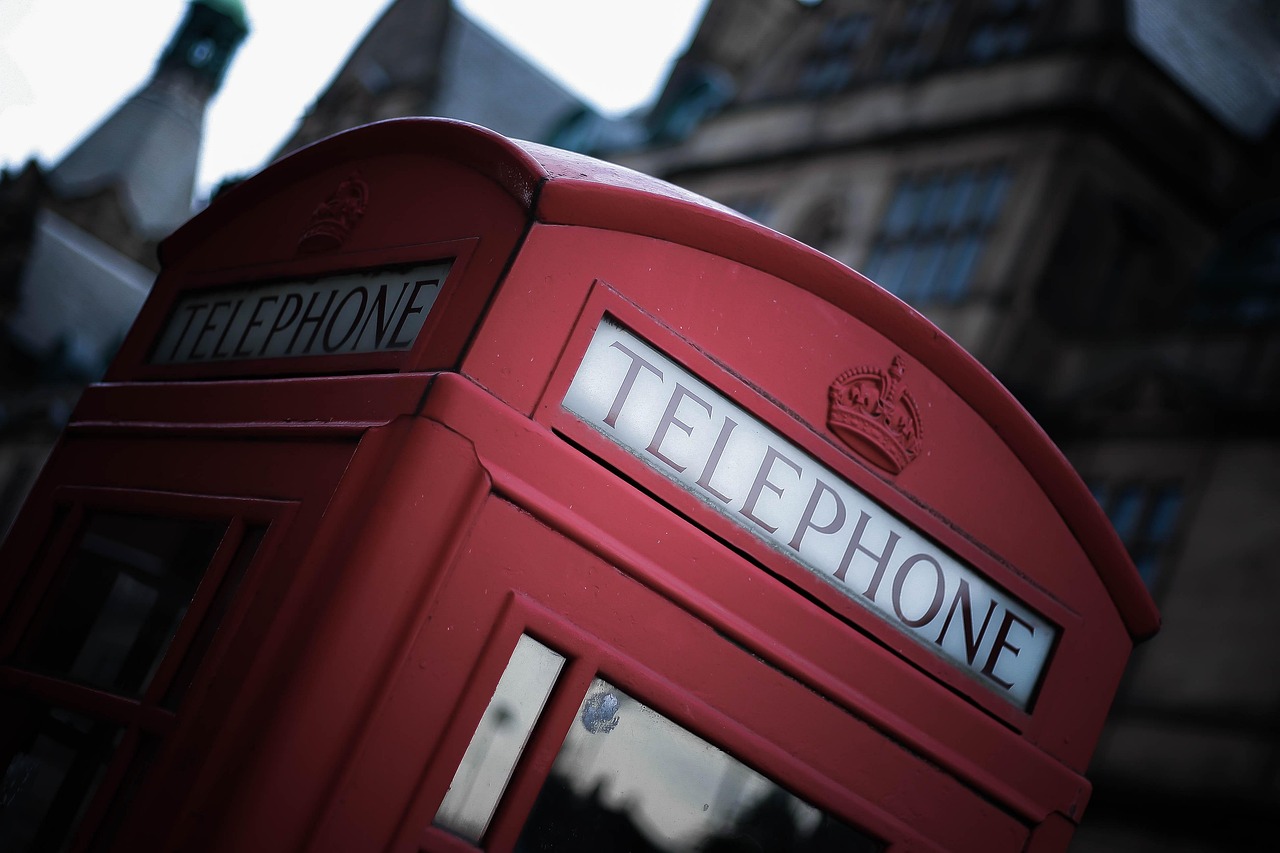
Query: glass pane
(957, 269)
(55, 761)
(1147, 564)
(227, 587)
(499, 740)
(139, 765)
(903, 210)
(1125, 511)
(891, 271)
(125, 588)
(992, 195)
(932, 203)
(628, 778)
(875, 259)
(924, 272)
(1160, 524)
(960, 188)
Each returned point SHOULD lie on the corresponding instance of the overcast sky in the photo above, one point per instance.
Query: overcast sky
(64, 64)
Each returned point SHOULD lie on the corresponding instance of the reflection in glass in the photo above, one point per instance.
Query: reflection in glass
(124, 590)
(54, 762)
(627, 778)
(499, 740)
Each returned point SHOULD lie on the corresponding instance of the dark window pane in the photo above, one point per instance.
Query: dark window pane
(55, 761)
(891, 271)
(937, 225)
(124, 589)
(1164, 514)
(628, 778)
(925, 270)
(239, 566)
(896, 268)
(957, 268)
(845, 33)
(956, 200)
(925, 13)
(1125, 511)
(933, 194)
(875, 260)
(139, 764)
(1147, 565)
(991, 196)
(903, 211)
(826, 74)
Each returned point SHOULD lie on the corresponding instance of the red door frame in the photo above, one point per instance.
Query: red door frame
(186, 746)
(511, 579)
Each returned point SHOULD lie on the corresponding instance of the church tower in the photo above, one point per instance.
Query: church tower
(148, 149)
(204, 45)
(78, 242)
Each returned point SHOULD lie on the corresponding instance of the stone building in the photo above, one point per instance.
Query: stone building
(1086, 195)
(78, 240)
(426, 58)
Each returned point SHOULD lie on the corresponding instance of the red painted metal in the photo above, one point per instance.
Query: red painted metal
(424, 506)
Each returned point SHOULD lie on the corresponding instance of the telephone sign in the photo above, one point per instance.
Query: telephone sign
(370, 312)
(684, 429)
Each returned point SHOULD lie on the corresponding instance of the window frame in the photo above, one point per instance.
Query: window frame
(146, 720)
(922, 226)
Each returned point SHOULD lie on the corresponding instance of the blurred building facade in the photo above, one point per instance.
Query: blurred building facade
(1086, 195)
(426, 58)
(78, 240)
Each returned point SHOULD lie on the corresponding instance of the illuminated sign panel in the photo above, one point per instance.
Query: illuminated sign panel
(380, 311)
(683, 428)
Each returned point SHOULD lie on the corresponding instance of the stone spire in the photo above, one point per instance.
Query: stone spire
(148, 150)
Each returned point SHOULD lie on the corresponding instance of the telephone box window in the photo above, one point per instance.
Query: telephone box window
(628, 778)
(57, 760)
(499, 740)
(107, 629)
(125, 589)
(245, 551)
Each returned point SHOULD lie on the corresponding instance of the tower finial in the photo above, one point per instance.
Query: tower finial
(206, 41)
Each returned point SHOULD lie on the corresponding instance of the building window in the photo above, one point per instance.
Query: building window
(1001, 28)
(934, 232)
(831, 65)
(1145, 517)
(915, 40)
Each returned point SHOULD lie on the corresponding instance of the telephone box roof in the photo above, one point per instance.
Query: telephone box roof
(563, 188)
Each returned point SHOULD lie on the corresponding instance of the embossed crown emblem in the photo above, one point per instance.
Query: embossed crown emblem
(332, 221)
(870, 414)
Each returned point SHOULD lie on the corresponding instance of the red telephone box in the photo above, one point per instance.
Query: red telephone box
(452, 493)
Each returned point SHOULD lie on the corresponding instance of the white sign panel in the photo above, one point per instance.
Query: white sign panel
(358, 313)
(686, 430)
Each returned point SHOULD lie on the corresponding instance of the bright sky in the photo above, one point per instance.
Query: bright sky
(64, 64)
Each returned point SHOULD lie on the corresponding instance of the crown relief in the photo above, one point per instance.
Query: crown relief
(332, 222)
(871, 413)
